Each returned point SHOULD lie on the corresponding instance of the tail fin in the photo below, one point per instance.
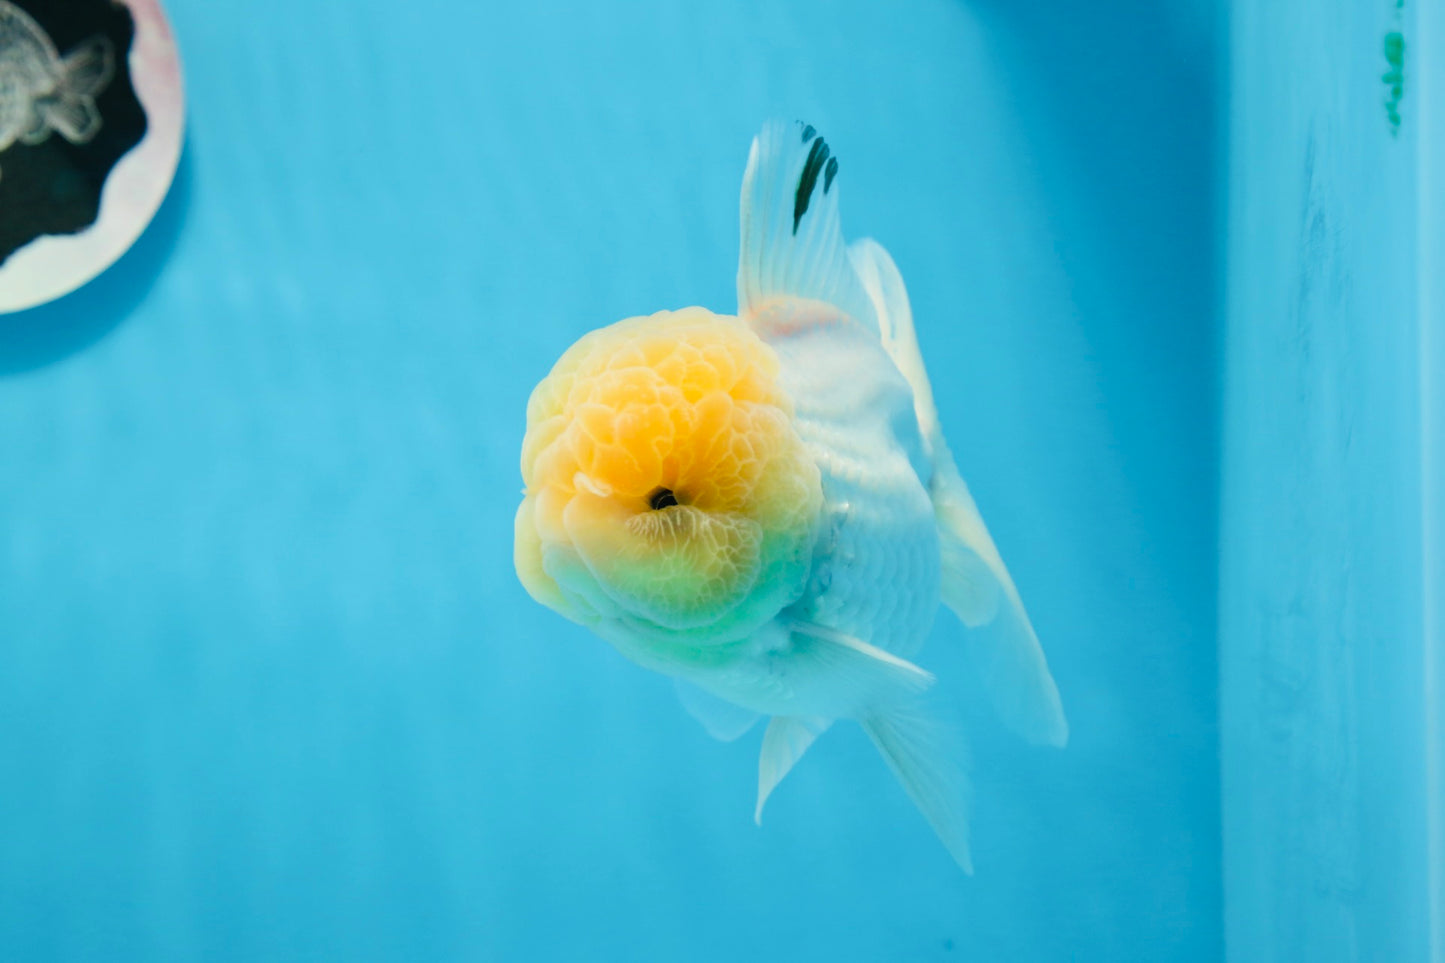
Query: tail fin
(975, 581)
(883, 284)
(919, 753)
(86, 70)
(1006, 654)
(84, 73)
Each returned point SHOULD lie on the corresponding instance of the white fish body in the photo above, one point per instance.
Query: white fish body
(891, 529)
(41, 91)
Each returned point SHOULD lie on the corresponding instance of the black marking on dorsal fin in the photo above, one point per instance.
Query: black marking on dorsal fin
(808, 132)
(812, 167)
(830, 172)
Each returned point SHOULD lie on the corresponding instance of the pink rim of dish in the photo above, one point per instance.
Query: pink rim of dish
(54, 265)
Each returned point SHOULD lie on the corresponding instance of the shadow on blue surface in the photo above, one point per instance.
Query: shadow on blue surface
(51, 332)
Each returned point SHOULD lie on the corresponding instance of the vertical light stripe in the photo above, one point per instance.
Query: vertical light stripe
(1429, 76)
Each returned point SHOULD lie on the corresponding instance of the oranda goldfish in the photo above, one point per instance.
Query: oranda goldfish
(763, 507)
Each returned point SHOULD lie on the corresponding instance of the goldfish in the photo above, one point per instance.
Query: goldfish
(763, 506)
(40, 91)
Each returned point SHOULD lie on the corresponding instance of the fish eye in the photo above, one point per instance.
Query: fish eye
(661, 498)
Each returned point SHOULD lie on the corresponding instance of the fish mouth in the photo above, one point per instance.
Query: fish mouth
(679, 568)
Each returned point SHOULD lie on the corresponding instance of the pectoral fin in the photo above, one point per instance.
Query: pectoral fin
(846, 677)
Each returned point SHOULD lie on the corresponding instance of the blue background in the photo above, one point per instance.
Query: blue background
(269, 688)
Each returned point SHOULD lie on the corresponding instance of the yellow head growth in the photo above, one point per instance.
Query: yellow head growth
(665, 485)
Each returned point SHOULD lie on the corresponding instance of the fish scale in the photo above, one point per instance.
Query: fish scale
(875, 569)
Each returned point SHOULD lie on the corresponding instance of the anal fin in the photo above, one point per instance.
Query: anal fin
(784, 742)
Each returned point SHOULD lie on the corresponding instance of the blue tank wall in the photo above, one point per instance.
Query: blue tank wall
(1330, 641)
(268, 685)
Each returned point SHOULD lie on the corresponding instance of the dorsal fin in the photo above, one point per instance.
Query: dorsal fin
(792, 244)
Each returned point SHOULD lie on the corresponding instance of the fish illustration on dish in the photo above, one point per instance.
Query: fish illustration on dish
(42, 92)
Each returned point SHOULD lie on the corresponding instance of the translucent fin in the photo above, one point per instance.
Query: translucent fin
(856, 675)
(86, 70)
(784, 743)
(1006, 654)
(76, 120)
(723, 720)
(929, 767)
(883, 285)
(975, 581)
(792, 245)
(35, 127)
(970, 588)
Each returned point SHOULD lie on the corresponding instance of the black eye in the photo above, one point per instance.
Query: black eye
(661, 498)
